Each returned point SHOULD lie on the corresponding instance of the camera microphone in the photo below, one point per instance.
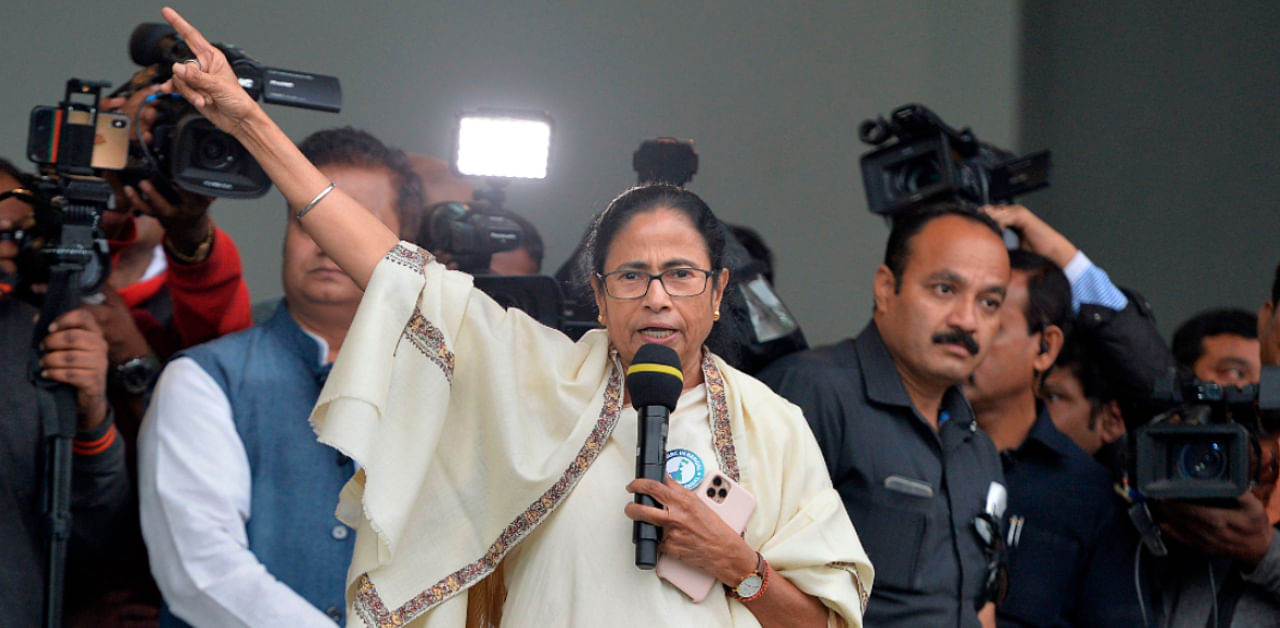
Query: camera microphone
(654, 381)
(154, 42)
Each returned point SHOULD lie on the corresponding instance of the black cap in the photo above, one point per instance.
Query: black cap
(654, 377)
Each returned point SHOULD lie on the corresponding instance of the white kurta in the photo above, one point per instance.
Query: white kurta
(476, 427)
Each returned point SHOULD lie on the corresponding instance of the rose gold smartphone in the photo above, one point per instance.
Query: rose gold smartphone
(734, 505)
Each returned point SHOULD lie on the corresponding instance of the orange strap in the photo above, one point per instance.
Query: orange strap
(94, 447)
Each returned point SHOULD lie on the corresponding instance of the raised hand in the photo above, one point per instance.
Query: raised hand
(208, 82)
(1036, 234)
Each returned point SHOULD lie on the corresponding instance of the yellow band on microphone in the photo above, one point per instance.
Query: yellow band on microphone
(649, 367)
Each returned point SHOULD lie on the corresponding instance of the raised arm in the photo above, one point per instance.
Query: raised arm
(353, 238)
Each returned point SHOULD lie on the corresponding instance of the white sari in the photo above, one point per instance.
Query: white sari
(473, 425)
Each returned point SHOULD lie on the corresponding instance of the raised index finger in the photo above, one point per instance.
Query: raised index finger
(194, 39)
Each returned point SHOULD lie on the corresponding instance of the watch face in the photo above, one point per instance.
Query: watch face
(750, 585)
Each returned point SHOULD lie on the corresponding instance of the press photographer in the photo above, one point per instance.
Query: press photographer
(64, 475)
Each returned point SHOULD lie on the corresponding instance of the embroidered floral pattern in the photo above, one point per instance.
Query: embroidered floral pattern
(369, 605)
(428, 339)
(863, 593)
(721, 431)
(410, 257)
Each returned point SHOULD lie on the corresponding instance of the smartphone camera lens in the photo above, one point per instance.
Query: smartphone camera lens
(711, 492)
(724, 493)
(717, 481)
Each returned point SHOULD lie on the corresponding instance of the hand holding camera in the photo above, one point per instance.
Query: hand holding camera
(1243, 532)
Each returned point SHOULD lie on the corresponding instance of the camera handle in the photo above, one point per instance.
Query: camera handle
(57, 401)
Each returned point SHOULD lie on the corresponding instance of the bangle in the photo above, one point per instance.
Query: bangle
(199, 255)
(319, 197)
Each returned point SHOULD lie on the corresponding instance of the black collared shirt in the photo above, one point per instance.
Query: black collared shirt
(1071, 551)
(911, 492)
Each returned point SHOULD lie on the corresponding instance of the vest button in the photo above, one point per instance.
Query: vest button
(334, 613)
(340, 532)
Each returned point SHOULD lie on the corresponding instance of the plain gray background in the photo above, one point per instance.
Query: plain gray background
(1161, 116)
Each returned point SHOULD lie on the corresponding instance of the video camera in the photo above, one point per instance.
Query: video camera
(1207, 445)
(931, 162)
(189, 150)
(470, 233)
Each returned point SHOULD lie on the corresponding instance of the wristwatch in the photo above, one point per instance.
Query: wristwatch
(136, 374)
(752, 586)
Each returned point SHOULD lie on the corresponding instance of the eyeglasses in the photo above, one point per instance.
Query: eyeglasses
(634, 284)
(997, 580)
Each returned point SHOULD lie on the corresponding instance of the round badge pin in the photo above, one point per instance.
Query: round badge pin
(685, 467)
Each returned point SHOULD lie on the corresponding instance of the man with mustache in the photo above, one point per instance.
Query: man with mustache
(899, 439)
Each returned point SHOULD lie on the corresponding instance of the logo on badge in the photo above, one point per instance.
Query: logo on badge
(685, 467)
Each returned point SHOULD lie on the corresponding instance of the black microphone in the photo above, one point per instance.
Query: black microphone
(156, 42)
(654, 380)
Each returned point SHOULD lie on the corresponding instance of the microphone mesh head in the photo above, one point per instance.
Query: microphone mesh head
(654, 377)
(146, 41)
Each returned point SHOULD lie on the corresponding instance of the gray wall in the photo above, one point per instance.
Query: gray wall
(771, 92)
(1165, 130)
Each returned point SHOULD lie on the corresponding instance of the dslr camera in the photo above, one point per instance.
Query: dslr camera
(190, 151)
(1207, 445)
(921, 160)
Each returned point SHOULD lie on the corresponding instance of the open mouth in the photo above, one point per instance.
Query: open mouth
(655, 332)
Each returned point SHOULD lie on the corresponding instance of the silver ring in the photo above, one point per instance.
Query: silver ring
(195, 61)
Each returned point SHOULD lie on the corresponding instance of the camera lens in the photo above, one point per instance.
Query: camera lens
(1202, 461)
(916, 175)
(215, 151)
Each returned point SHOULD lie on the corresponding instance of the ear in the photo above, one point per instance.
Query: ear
(1111, 422)
(717, 294)
(597, 290)
(883, 287)
(1265, 313)
(1051, 339)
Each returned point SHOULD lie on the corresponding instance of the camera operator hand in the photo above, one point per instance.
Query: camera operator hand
(75, 353)
(1243, 533)
(186, 225)
(124, 340)
(1036, 234)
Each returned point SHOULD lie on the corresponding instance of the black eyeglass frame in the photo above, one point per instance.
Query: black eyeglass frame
(604, 277)
(996, 582)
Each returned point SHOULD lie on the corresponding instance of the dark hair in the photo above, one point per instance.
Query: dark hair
(725, 335)
(1275, 287)
(532, 241)
(1048, 292)
(8, 168)
(1080, 356)
(347, 146)
(907, 224)
(646, 198)
(1188, 340)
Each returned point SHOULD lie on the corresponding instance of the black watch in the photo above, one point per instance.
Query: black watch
(135, 375)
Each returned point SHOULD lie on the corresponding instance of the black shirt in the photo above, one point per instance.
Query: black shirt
(1071, 549)
(911, 492)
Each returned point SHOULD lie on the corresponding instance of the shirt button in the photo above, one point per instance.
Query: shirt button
(334, 613)
(340, 532)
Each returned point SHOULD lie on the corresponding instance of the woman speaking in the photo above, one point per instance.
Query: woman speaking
(496, 454)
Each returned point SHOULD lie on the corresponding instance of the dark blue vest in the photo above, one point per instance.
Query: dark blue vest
(272, 375)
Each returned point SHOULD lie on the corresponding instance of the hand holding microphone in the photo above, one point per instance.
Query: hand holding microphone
(654, 381)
